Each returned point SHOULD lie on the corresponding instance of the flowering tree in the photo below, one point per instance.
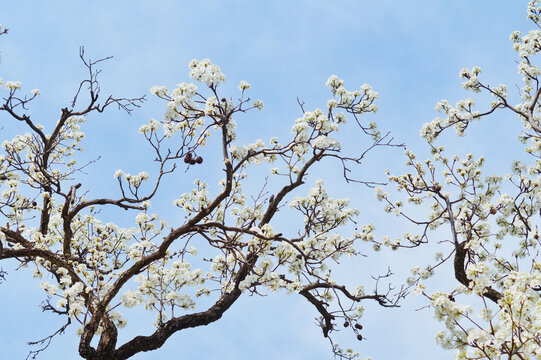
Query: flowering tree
(92, 268)
(491, 222)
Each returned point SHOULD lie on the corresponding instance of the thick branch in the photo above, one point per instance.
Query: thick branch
(156, 340)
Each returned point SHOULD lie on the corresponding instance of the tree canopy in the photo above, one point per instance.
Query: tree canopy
(100, 253)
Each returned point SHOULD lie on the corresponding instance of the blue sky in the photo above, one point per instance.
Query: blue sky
(410, 52)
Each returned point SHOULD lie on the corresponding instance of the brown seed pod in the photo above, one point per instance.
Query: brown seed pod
(199, 160)
(346, 324)
(187, 158)
(358, 326)
(3, 177)
(193, 162)
(493, 210)
(34, 203)
(223, 99)
(359, 337)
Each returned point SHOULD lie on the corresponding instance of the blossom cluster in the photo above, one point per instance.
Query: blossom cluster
(206, 72)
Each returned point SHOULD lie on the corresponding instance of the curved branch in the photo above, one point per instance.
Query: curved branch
(158, 338)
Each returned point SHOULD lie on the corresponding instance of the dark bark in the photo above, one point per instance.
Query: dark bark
(460, 272)
(156, 340)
